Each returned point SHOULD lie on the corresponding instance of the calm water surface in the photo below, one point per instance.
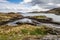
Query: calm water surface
(55, 18)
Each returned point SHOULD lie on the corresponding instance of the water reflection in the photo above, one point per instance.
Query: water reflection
(55, 18)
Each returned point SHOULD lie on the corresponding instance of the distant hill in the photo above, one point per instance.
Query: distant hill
(35, 12)
(54, 10)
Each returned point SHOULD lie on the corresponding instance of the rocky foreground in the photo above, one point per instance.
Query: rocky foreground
(26, 30)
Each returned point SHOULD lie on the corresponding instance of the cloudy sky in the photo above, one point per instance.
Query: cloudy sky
(27, 5)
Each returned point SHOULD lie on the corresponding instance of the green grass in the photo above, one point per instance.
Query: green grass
(24, 31)
(20, 31)
(39, 17)
(38, 31)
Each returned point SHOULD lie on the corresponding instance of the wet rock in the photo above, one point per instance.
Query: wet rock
(32, 38)
(28, 21)
(45, 20)
(46, 37)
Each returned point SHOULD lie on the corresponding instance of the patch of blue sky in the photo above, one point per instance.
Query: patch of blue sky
(15, 1)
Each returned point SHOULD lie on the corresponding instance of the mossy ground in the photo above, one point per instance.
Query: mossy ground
(39, 17)
(20, 31)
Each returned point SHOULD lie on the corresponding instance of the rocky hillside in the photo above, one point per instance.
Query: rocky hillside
(55, 10)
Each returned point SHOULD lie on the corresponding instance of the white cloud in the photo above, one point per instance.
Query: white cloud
(29, 5)
(38, 8)
(7, 7)
(58, 5)
(26, 1)
(50, 3)
(3, 1)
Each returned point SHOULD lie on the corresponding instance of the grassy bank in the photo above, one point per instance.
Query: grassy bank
(21, 31)
(7, 17)
(39, 17)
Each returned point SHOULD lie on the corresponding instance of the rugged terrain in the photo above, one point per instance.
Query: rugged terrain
(25, 31)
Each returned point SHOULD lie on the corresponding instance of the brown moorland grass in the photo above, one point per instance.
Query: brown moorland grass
(20, 31)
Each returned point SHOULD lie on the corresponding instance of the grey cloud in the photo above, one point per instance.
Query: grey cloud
(44, 3)
(56, 1)
(51, 1)
(35, 2)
